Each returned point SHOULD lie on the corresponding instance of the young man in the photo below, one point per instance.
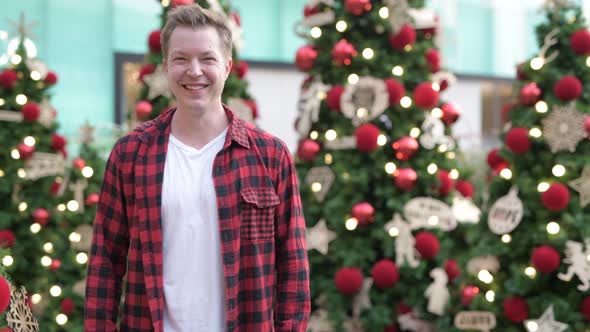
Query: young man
(199, 213)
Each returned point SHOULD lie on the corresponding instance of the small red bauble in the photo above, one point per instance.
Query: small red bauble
(55, 265)
(405, 148)
(7, 238)
(445, 182)
(516, 309)
(241, 68)
(79, 163)
(92, 199)
(146, 70)
(520, 74)
(58, 142)
(8, 78)
(343, 52)
(25, 151)
(450, 113)
(529, 94)
(358, 7)
(396, 91)
(467, 294)
(556, 198)
(154, 41)
(405, 178)
(51, 78)
(143, 110)
(364, 213)
(333, 97)
(4, 294)
(309, 10)
(305, 57)
(348, 280)
(494, 158)
(567, 88)
(427, 245)
(452, 269)
(425, 96)
(585, 308)
(385, 273)
(517, 140)
(465, 188)
(308, 149)
(66, 306)
(366, 137)
(580, 42)
(433, 59)
(406, 36)
(54, 189)
(41, 216)
(31, 111)
(545, 259)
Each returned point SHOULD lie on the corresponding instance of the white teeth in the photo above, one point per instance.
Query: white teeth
(194, 87)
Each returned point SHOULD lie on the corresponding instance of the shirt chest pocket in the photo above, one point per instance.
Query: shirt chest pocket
(257, 213)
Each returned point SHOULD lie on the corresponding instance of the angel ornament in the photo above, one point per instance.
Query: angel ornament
(437, 292)
(404, 242)
(579, 265)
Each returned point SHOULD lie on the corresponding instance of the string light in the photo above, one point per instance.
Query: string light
(442, 148)
(341, 26)
(21, 99)
(558, 170)
(36, 298)
(21, 173)
(55, 291)
(542, 187)
(535, 132)
(316, 187)
(390, 168)
(15, 154)
(61, 319)
(532, 326)
(46, 261)
(530, 272)
(75, 237)
(87, 172)
(81, 258)
(165, 3)
(351, 224)
(328, 159)
(541, 107)
(415, 132)
(490, 296)
(48, 247)
(30, 141)
(506, 238)
(1, 173)
(506, 173)
(408, 48)
(451, 155)
(353, 79)
(454, 174)
(2, 102)
(331, 135)
(7, 260)
(435, 87)
(361, 112)
(381, 140)
(384, 13)
(314, 135)
(433, 220)
(553, 228)
(61, 207)
(316, 32)
(22, 207)
(588, 61)
(368, 53)
(437, 113)
(393, 232)
(16, 59)
(35, 75)
(73, 205)
(35, 228)
(397, 71)
(485, 276)
(537, 63)
(406, 102)
(432, 168)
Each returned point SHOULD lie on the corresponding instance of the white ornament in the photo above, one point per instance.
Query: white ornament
(465, 211)
(85, 232)
(320, 19)
(443, 76)
(433, 133)
(157, 83)
(319, 237)
(546, 323)
(550, 40)
(582, 186)
(38, 66)
(556, 5)
(437, 292)
(398, 14)
(404, 242)
(424, 18)
(242, 110)
(233, 26)
(578, 262)
(322, 176)
(11, 116)
(409, 322)
(78, 188)
(427, 212)
(47, 113)
(80, 287)
(318, 322)
(19, 316)
(353, 325)
(309, 106)
(483, 321)
(44, 164)
(488, 262)
(362, 300)
(506, 213)
(365, 100)
(341, 143)
(564, 128)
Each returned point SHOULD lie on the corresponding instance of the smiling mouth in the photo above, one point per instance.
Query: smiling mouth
(194, 87)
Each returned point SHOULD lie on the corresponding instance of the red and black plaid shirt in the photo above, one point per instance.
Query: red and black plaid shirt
(260, 222)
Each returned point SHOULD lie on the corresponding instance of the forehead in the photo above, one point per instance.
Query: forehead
(187, 39)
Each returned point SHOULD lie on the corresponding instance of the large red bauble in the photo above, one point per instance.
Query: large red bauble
(567, 88)
(405, 178)
(348, 280)
(333, 98)
(25, 151)
(4, 294)
(154, 41)
(545, 259)
(529, 94)
(308, 149)
(396, 91)
(446, 183)
(580, 42)
(305, 57)
(425, 96)
(405, 148)
(41, 216)
(58, 142)
(385, 273)
(465, 188)
(467, 294)
(556, 198)
(357, 7)
(366, 137)
(343, 52)
(433, 58)
(7, 238)
(364, 213)
(427, 245)
(450, 113)
(31, 111)
(452, 269)
(406, 36)
(516, 309)
(517, 140)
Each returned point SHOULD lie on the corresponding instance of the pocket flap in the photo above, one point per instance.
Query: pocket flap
(262, 197)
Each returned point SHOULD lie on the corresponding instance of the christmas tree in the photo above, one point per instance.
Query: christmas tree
(155, 96)
(530, 270)
(378, 168)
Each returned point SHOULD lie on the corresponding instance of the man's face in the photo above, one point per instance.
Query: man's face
(196, 68)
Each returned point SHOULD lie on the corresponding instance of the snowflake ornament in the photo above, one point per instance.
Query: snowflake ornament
(564, 128)
(19, 316)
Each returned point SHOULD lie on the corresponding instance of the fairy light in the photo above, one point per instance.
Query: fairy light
(432, 168)
(530, 272)
(35, 75)
(443, 148)
(437, 113)
(553, 228)
(314, 135)
(532, 326)
(22, 207)
(55, 291)
(485, 276)
(36, 298)
(393, 232)
(433, 220)
(48, 247)
(82, 258)
(353, 79)
(368, 53)
(61, 207)
(328, 159)
(384, 13)
(490, 296)
(588, 61)
(454, 174)
(451, 155)
(7, 260)
(381, 140)
(165, 3)
(21, 173)
(75, 237)
(341, 26)
(87, 172)
(2, 102)
(73, 206)
(15, 154)
(390, 168)
(415, 132)
(541, 107)
(21, 99)
(406, 102)
(435, 87)
(558, 170)
(397, 71)
(61, 319)
(362, 112)
(542, 187)
(537, 63)
(16, 59)
(506, 238)
(30, 141)
(351, 224)
(331, 135)
(506, 173)
(316, 187)
(316, 32)
(408, 48)
(1, 173)
(535, 132)
(46, 261)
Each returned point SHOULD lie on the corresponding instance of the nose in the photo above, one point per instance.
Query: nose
(194, 69)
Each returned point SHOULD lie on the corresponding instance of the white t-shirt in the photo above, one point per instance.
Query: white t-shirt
(194, 284)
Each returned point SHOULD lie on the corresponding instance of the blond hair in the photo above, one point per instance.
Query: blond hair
(196, 17)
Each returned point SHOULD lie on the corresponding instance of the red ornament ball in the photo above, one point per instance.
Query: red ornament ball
(308, 149)
(366, 137)
(305, 57)
(450, 113)
(587, 125)
(41, 216)
(55, 265)
(494, 158)
(516, 309)
(240, 68)
(452, 269)
(253, 107)
(25, 151)
(348, 280)
(176, 3)
(517, 140)
(66, 306)
(405, 148)
(58, 142)
(585, 308)
(520, 74)
(467, 294)
(6, 329)
(7, 238)
(31, 111)
(364, 213)
(396, 91)
(79, 163)
(465, 188)
(545, 259)
(343, 52)
(385, 274)
(154, 41)
(333, 97)
(425, 96)
(358, 7)
(4, 294)
(309, 10)
(51, 78)
(405, 178)
(506, 108)
(406, 36)
(580, 42)
(427, 245)
(529, 94)
(445, 182)
(433, 58)
(143, 110)
(54, 189)
(92, 199)
(8, 78)
(146, 69)
(568, 88)
(556, 198)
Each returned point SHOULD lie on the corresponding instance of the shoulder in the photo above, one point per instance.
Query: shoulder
(265, 141)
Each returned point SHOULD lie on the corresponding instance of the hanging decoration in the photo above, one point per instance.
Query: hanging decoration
(320, 178)
(309, 106)
(319, 237)
(11, 116)
(19, 316)
(437, 292)
(484, 321)
(506, 213)
(582, 186)
(433, 133)
(365, 100)
(465, 211)
(427, 212)
(489, 263)
(545, 323)
(577, 258)
(405, 250)
(44, 164)
(341, 143)
(564, 128)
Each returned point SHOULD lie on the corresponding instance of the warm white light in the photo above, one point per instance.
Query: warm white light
(22, 207)
(541, 107)
(490, 296)
(73, 206)
(15, 154)
(542, 187)
(485, 276)
(351, 224)
(21, 99)
(316, 187)
(61, 207)
(46, 261)
(397, 71)
(451, 155)
(537, 63)
(442, 148)
(535, 132)
(406, 102)
(553, 228)
(36, 298)
(454, 174)
(30, 141)
(353, 79)
(314, 135)
(433, 220)
(35, 75)
(432, 168)
(2, 102)
(506, 173)
(328, 158)
(16, 59)
(415, 132)
(381, 140)
(341, 26)
(368, 53)
(48, 247)
(21, 173)
(316, 32)
(82, 258)
(321, 95)
(61, 319)
(361, 112)
(558, 170)
(393, 232)
(390, 168)
(435, 87)
(7, 260)
(35, 228)
(532, 326)
(437, 112)
(588, 61)
(87, 172)
(530, 272)
(1, 173)
(384, 12)
(331, 135)
(506, 238)
(408, 48)
(55, 291)
(75, 237)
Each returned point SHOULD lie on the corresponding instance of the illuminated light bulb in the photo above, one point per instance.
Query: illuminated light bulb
(485, 276)
(328, 159)
(368, 53)
(558, 170)
(384, 13)
(1, 173)
(415, 132)
(82, 258)
(351, 224)
(532, 326)
(165, 3)
(390, 168)
(341, 26)
(408, 48)
(7, 260)
(46, 261)
(61, 319)
(393, 232)
(316, 187)
(35, 228)
(535, 132)
(21, 173)
(48, 247)
(22, 207)
(435, 87)
(490, 296)
(542, 187)
(30, 141)
(15, 154)
(2, 102)
(397, 71)
(331, 135)
(35, 75)
(406, 102)
(87, 172)
(537, 63)
(454, 174)
(442, 148)
(381, 140)
(588, 61)
(553, 228)
(432, 168)
(530, 272)
(451, 155)
(75, 237)
(321, 95)
(61, 207)
(36, 298)
(21, 99)
(55, 291)
(541, 107)
(506, 238)
(362, 112)
(353, 79)
(314, 135)
(73, 206)
(16, 59)
(316, 32)
(433, 220)
(437, 112)
(506, 173)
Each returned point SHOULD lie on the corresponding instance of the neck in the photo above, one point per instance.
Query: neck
(196, 129)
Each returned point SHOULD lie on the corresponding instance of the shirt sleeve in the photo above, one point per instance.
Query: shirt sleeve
(108, 254)
(292, 290)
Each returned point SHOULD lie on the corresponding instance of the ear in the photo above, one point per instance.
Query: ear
(228, 66)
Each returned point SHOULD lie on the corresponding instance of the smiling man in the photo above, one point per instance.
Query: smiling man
(199, 214)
